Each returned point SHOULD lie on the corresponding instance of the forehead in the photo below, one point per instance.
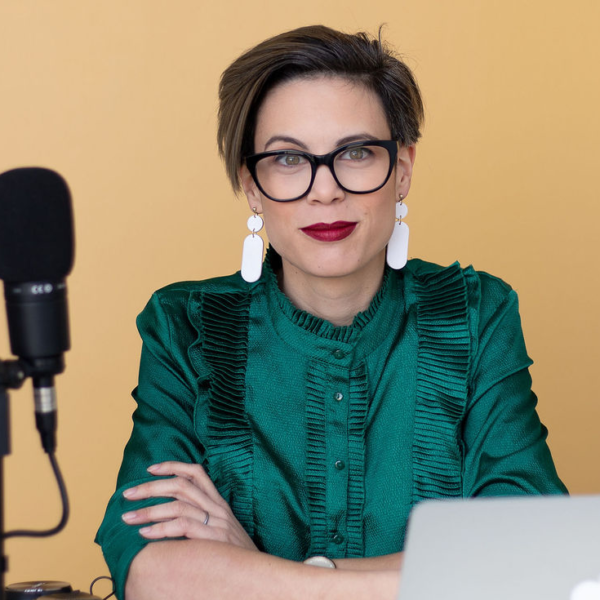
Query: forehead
(318, 111)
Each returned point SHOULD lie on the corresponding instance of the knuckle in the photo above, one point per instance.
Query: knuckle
(143, 513)
(185, 526)
(180, 484)
(158, 529)
(187, 523)
(177, 508)
(171, 528)
(219, 534)
(218, 513)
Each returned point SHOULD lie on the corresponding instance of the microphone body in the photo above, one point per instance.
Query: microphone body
(38, 318)
(36, 255)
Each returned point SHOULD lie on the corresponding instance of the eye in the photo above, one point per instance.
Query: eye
(290, 160)
(358, 153)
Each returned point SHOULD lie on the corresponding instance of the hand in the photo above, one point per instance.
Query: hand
(196, 499)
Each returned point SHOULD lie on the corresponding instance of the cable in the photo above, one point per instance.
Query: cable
(98, 579)
(65, 506)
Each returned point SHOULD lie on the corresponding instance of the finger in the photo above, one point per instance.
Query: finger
(217, 529)
(193, 472)
(164, 512)
(177, 488)
(180, 489)
(181, 527)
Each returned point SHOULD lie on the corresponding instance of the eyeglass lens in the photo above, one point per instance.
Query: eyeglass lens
(358, 169)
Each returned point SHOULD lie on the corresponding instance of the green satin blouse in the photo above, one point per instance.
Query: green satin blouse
(323, 438)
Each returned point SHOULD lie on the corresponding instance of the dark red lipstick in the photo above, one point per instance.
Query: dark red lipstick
(330, 232)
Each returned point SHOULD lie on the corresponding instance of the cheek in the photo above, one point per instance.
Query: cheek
(277, 223)
(384, 216)
(387, 227)
(386, 220)
(269, 231)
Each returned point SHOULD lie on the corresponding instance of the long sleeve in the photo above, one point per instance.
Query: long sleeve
(163, 423)
(505, 450)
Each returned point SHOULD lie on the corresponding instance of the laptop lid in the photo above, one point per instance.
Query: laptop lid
(526, 548)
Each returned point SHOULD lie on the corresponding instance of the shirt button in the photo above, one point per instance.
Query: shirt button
(338, 538)
(339, 354)
(338, 396)
(339, 465)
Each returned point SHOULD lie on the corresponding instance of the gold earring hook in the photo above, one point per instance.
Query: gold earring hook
(399, 219)
(255, 214)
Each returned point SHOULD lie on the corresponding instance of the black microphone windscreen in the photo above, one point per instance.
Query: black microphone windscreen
(36, 226)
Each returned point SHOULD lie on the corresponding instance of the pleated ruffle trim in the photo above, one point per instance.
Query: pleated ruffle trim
(444, 360)
(222, 323)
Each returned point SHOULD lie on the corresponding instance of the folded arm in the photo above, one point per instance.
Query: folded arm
(219, 560)
(197, 569)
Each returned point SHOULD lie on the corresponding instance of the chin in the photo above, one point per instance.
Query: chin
(335, 260)
(331, 267)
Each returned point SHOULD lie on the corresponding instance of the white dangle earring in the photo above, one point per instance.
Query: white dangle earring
(397, 249)
(252, 255)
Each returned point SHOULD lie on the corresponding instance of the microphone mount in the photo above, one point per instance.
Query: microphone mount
(13, 374)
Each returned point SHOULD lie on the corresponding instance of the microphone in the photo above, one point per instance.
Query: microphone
(36, 255)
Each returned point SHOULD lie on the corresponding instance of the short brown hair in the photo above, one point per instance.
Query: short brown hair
(306, 52)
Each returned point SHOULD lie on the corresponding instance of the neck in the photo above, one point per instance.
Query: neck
(335, 299)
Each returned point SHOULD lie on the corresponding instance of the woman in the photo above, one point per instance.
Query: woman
(304, 411)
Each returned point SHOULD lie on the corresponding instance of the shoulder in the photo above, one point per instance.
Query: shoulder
(179, 318)
(476, 284)
(179, 303)
(229, 284)
(445, 292)
(178, 295)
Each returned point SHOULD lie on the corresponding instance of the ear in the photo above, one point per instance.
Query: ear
(253, 195)
(404, 169)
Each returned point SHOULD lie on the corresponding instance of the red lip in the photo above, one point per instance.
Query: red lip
(330, 232)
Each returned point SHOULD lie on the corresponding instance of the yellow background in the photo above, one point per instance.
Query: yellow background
(120, 98)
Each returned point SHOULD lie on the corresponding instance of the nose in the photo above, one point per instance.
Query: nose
(325, 188)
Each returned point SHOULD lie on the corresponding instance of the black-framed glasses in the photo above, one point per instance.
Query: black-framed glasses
(358, 168)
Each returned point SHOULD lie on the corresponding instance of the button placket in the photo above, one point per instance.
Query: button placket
(337, 454)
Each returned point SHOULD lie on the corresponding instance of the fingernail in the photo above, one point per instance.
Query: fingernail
(129, 516)
(145, 530)
(153, 468)
(130, 492)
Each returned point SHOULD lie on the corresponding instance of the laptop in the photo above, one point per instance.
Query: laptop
(526, 548)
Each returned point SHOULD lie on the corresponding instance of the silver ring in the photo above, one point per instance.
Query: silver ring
(207, 518)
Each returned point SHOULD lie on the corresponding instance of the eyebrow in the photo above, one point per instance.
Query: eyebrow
(357, 137)
(287, 139)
